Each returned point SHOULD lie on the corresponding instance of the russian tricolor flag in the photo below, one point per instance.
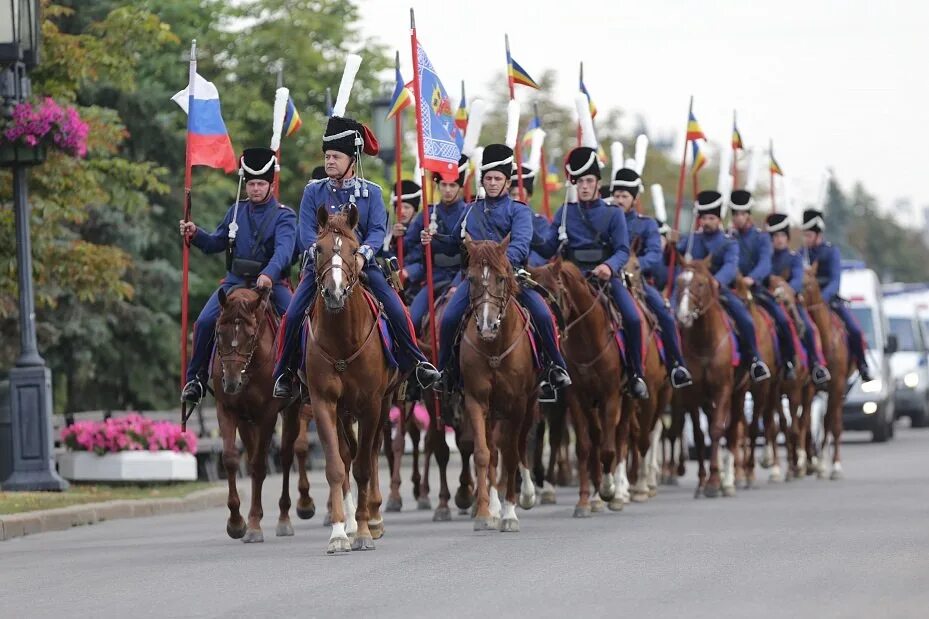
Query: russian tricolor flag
(206, 132)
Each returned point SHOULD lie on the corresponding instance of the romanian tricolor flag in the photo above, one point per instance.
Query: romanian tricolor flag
(401, 97)
(292, 120)
(699, 159)
(694, 132)
(774, 167)
(552, 180)
(590, 102)
(736, 138)
(461, 116)
(534, 124)
(520, 76)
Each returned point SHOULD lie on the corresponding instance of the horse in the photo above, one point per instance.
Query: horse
(348, 378)
(242, 380)
(594, 399)
(500, 382)
(553, 416)
(840, 366)
(705, 339)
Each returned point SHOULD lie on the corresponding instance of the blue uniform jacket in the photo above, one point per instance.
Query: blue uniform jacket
(649, 252)
(276, 245)
(754, 253)
(372, 215)
(829, 269)
(725, 252)
(491, 219)
(609, 222)
(789, 265)
(446, 240)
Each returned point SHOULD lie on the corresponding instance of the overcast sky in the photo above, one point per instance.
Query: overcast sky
(839, 83)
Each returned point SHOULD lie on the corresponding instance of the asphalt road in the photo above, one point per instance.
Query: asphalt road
(852, 548)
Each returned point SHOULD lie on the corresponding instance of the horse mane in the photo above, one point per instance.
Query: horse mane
(491, 253)
(337, 224)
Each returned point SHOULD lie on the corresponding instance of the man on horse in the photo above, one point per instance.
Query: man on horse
(344, 141)
(723, 252)
(410, 200)
(625, 188)
(446, 255)
(493, 218)
(258, 236)
(755, 266)
(540, 224)
(825, 256)
(789, 265)
(593, 236)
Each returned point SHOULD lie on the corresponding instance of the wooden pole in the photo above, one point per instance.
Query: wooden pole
(679, 202)
(398, 170)
(517, 154)
(771, 171)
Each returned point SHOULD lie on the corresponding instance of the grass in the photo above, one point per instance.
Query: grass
(77, 494)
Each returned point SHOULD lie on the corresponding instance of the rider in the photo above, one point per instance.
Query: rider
(755, 266)
(492, 219)
(444, 218)
(594, 237)
(828, 263)
(344, 141)
(789, 265)
(410, 199)
(625, 188)
(539, 223)
(258, 236)
(724, 252)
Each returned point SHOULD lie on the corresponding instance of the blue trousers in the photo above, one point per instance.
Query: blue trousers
(784, 337)
(632, 323)
(408, 350)
(809, 339)
(743, 322)
(530, 299)
(669, 335)
(205, 327)
(420, 305)
(855, 336)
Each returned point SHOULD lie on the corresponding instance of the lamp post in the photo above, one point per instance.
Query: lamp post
(26, 439)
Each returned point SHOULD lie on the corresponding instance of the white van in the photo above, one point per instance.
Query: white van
(910, 364)
(870, 405)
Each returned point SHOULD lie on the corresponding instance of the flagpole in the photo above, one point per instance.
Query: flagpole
(398, 171)
(579, 82)
(517, 150)
(542, 173)
(467, 186)
(735, 155)
(185, 245)
(771, 171)
(277, 177)
(328, 101)
(680, 202)
(417, 97)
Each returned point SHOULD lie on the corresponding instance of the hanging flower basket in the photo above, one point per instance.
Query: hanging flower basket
(35, 127)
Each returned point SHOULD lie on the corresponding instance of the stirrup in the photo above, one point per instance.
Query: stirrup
(284, 386)
(681, 377)
(790, 373)
(558, 377)
(759, 371)
(865, 373)
(193, 392)
(636, 387)
(426, 375)
(547, 393)
(821, 375)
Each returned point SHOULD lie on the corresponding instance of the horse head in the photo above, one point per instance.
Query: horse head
(811, 290)
(238, 334)
(697, 290)
(634, 270)
(337, 271)
(492, 284)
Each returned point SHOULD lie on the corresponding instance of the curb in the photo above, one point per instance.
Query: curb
(42, 521)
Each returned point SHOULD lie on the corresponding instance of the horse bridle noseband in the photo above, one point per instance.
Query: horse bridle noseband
(351, 276)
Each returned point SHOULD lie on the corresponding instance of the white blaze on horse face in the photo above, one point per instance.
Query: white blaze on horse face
(485, 315)
(337, 266)
(683, 310)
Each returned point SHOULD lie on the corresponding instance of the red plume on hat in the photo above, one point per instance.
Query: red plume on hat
(371, 147)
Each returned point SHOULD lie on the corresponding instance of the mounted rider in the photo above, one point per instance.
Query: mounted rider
(493, 218)
(828, 262)
(755, 266)
(789, 264)
(723, 251)
(625, 189)
(539, 223)
(258, 235)
(343, 143)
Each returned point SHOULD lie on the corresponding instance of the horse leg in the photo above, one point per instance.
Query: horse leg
(289, 431)
(527, 493)
(326, 427)
(464, 438)
(538, 465)
(611, 410)
(306, 507)
(394, 500)
(775, 422)
(510, 435)
(836, 409)
(582, 449)
(375, 499)
(621, 439)
(493, 472)
(699, 446)
(428, 451)
(256, 439)
(235, 525)
(475, 411)
(643, 440)
(369, 431)
(435, 437)
(422, 502)
(348, 449)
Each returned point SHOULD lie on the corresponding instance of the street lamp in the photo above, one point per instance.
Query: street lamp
(26, 426)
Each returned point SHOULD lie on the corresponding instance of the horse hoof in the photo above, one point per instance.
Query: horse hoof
(616, 505)
(424, 503)
(652, 492)
(376, 528)
(582, 512)
(527, 501)
(463, 498)
(548, 498)
(836, 475)
(509, 525)
(338, 545)
(775, 478)
(639, 497)
(473, 511)
(673, 481)
(284, 529)
(236, 532)
(442, 514)
(327, 521)
(728, 491)
(597, 506)
(363, 543)
(820, 474)
(711, 492)
(305, 512)
(486, 524)
(253, 536)
(394, 505)
(464, 511)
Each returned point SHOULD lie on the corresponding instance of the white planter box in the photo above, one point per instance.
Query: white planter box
(128, 466)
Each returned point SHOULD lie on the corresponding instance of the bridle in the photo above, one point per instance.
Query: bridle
(233, 352)
(351, 275)
(699, 309)
(486, 297)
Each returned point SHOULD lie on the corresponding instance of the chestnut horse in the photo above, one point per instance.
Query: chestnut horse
(595, 399)
(838, 362)
(348, 379)
(500, 382)
(242, 381)
(705, 340)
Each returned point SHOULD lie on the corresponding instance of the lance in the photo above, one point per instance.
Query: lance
(735, 154)
(771, 172)
(579, 82)
(512, 122)
(542, 171)
(185, 247)
(679, 202)
(641, 150)
(398, 170)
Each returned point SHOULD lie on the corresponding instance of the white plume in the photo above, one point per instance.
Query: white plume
(616, 157)
(535, 150)
(629, 163)
(512, 123)
(641, 149)
(280, 110)
(478, 160)
(352, 64)
(658, 203)
(588, 138)
(724, 182)
(475, 122)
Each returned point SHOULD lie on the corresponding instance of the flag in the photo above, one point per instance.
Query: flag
(439, 146)
(206, 132)
(774, 167)
(694, 132)
(736, 138)
(699, 159)
(590, 102)
(534, 124)
(552, 181)
(292, 120)
(461, 115)
(400, 99)
(520, 76)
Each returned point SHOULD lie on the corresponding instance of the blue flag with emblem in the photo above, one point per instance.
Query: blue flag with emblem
(441, 151)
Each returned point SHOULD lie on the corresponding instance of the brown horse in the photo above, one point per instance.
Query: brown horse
(707, 350)
(595, 399)
(348, 379)
(242, 380)
(839, 364)
(500, 383)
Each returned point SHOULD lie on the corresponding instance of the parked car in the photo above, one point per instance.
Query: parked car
(909, 366)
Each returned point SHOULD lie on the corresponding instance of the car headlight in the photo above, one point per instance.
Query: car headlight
(869, 408)
(911, 380)
(872, 386)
